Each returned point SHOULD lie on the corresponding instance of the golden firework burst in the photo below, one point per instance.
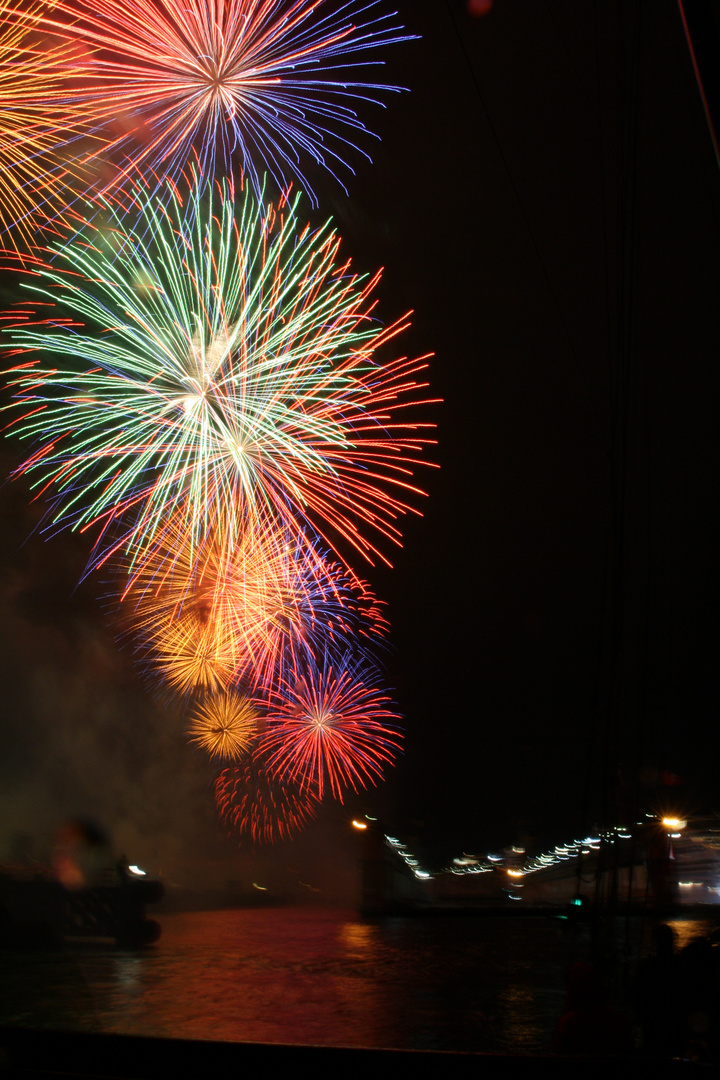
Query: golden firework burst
(194, 655)
(225, 725)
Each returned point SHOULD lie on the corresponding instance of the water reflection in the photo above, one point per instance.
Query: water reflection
(318, 977)
(687, 930)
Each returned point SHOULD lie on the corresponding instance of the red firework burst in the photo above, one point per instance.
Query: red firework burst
(258, 806)
(330, 725)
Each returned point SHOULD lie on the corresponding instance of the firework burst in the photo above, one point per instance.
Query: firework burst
(259, 806)
(269, 83)
(224, 725)
(203, 379)
(193, 655)
(218, 363)
(206, 617)
(330, 726)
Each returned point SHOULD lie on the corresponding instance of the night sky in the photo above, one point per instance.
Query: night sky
(546, 199)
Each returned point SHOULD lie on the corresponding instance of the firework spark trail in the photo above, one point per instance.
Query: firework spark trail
(268, 82)
(330, 725)
(230, 376)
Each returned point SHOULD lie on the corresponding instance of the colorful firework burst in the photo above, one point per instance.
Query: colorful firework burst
(330, 725)
(225, 725)
(226, 371)
(259, 806)
(268, 83)
(202, 375)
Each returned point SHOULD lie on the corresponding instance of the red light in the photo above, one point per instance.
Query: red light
(479, 7)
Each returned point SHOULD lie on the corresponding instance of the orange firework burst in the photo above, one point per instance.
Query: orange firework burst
(172, 609)
(207, 616)
(225, 725)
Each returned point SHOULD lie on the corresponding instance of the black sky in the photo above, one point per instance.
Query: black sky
(546, 199)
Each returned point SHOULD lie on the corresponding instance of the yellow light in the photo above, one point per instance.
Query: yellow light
(674, 823)
(359, 825)
(515, 873)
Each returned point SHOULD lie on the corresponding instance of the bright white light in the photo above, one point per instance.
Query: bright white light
(136, 870)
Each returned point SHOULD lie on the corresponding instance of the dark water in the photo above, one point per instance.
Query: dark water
(316, 977)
